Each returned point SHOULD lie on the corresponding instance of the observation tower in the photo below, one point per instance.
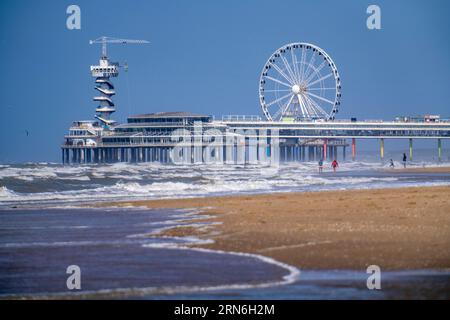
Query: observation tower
(103, 72)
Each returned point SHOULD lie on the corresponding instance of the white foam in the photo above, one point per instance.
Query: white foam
(77, 178)
(5, 193)
(155, 181)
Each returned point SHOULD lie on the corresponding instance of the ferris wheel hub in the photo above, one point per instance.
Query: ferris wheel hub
(296, 89)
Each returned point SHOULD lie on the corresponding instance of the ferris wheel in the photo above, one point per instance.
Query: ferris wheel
(300, 81)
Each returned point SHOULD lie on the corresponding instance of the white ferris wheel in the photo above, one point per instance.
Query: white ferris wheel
(300, 81)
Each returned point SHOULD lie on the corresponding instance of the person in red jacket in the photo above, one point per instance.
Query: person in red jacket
(334, 165)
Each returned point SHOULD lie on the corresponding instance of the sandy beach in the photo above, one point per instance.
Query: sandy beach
(421, 170)
(397, 229)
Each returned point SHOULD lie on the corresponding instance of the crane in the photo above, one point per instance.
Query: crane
(104, 40)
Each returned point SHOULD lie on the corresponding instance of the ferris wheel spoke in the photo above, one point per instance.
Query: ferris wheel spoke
(287, 106)
(288, 68)
(320, 98)
(302, 63)
(317, 89)
(321, 79)
(311, 110)
(315, 71)
(281, 72)
(302, 106)
(278, 90)
(316, 106)
(295, 63)
(278, 81)
(278, 113)
(278, 100)
(310, 64)
(283, 109)
(310, 107)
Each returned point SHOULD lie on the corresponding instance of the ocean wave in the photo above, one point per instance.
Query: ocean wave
(52, 183)
(77, 178)
(5, 193)
(137, 192)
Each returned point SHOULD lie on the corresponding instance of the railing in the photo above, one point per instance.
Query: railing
(241, 118)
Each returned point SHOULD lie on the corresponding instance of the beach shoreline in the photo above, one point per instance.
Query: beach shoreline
(430, 169)
(397, 229)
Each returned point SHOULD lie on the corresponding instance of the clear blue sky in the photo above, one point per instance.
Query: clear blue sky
(206, 56)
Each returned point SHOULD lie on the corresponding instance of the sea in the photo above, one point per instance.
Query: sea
(48, 223)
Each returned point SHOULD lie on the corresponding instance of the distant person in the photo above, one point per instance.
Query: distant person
(320, 165)
(334, 165)
(404, 160)
(391, 165)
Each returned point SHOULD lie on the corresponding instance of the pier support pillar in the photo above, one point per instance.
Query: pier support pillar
(382, 149)
(439, 150)
(325, 150)
(353, 149)
(67, 151)
(343, 152)
(410, 149)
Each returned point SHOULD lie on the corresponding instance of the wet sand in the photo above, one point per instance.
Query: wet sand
(397, 229)
(421, 170)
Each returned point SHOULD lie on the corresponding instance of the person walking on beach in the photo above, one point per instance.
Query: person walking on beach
(391, 165)
(334, 164)
(320, 165)
(404, 160)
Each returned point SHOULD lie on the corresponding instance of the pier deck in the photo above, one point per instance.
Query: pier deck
(156, 137)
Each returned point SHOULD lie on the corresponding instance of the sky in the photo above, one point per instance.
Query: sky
(206, 57)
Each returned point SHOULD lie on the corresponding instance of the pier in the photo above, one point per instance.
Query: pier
(300, 96)
(153, 138)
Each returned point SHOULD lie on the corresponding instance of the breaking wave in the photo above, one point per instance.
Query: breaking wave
(45, 183)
